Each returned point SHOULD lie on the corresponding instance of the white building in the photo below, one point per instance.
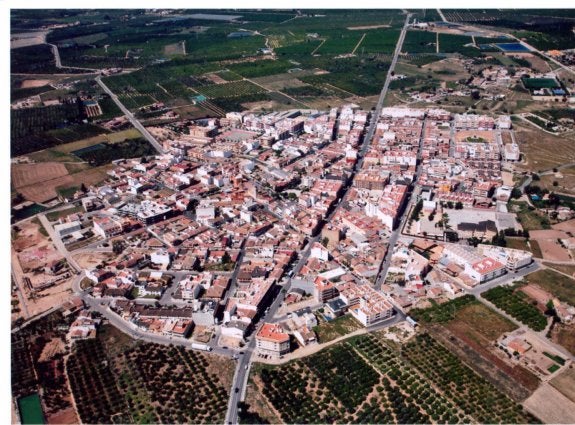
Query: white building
(67, 228)
(272, 340)
(513, 259)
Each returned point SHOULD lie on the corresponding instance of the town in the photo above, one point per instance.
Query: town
(353, 244)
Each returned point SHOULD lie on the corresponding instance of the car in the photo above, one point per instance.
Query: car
(241, 352)
(236, 390)
(225, 347)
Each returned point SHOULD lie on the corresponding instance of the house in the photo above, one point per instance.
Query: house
(272, 340)
(324, 290)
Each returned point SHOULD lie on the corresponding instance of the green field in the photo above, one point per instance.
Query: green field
(367, 380)
(516, 304)
(539, 83)
(31, 410)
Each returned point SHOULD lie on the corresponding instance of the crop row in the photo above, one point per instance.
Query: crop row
(469, 391)
(515, 304)
(233, 89)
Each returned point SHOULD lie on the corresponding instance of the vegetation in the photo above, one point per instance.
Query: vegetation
(473, 394)
(516, 304)
(328, 331)
(144, 383)
(441, 313)
(104, 153)
(559, 285)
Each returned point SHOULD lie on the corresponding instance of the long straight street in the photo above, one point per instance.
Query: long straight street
(131, 117)
(242, 369)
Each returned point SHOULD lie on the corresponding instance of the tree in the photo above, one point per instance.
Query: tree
(226, 259)
(83, 188)
(325, 241)
(117, 246)
(458, 205)
(192, 205)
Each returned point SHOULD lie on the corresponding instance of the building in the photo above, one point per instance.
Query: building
(512, 152)
(323, 289)
(513, 259)
(272, 340)
(67, 228)
(366, 304)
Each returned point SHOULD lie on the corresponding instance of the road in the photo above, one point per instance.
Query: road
(58, 243)
(242, 369)
(58, 61)
(442, 16)
(131, 117)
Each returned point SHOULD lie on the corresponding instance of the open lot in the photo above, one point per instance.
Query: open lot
(551, 406)
(41, 182)
(328, 331)
(559, 285)
(542, 150)
(565, 383)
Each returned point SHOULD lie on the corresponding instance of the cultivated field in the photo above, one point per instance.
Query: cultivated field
(565, 383)
(41, 182)
(551, 406)
(559, 285)
(365, 380)
(114, 379)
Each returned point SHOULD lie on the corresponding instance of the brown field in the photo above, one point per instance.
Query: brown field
(216, 79)
(174, 49)
(258, 402)
(564, 335)
(566, 226)
(550, 406)
(483, 322)
(542, 151)
(516, 381)
(280, 82)
(565, 179)
(553, 251)
(92, 259)
(565, 383)
(39, 182)
(489, 136)
(65, 417)
(559, 285)
(34, 83)
(568, 270)
(27, 174)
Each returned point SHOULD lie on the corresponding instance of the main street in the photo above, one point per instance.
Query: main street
(131, 117)
(242, 369)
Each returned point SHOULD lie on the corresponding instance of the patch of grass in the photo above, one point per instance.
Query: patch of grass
(56, 215)
(41, 228)
(570, 270)
(559, 285)
(484, 321)
(440, 313)
(328, 331)
(529, 218)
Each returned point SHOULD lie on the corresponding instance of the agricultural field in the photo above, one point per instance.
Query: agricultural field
(518, 305)
(365, 380)
(114, 379)
(38, 353)
(469, 329)
(419, 42)
(559, 285)
(233, 89)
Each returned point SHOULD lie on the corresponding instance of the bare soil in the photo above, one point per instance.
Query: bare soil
(565, 383)
(34, 83)
(516, 382)
(550, 406)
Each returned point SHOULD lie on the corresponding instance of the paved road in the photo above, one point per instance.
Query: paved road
(131, 117)
(242, 369)
(442, 16)
(58, 243)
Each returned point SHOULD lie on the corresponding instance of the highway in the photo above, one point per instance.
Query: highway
(131, 117)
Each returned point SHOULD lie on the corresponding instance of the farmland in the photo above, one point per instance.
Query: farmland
(559, 285)
(469, 329)
(143, 383)
(365, 380)
(516, 304)
(233, 89)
